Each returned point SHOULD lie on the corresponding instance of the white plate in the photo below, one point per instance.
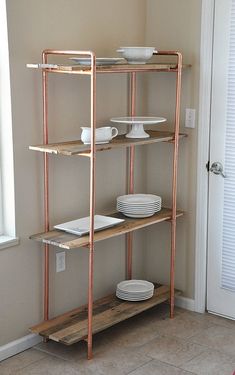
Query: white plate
(99, 60)
(137, 216)
(139, 208)
(134, 295)
(146, 205)
(131, 286)
(82, 226)
(139, 199)
(134, 299)
(138, 212)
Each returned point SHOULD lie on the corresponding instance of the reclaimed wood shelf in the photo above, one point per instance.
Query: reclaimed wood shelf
(78, 148)
(116, 68)
(72, 241)
(71, 327)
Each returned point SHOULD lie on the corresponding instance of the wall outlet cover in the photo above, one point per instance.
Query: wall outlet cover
(190, 115)
(60, 261)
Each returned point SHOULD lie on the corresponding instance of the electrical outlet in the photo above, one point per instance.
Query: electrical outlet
(60, 261)
(190, 115)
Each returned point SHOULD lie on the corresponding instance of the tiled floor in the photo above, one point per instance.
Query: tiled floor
(147, 344)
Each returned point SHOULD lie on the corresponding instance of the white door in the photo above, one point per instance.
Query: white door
(221, 222)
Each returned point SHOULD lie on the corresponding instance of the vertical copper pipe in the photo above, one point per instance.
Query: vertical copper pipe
(92, 204)
(174, 184)
(46, 189)
(131, 172)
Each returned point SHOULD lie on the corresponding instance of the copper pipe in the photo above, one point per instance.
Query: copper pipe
(46, 190)
(174, 178)
(174, 184)
(92, 172)
(129, 237)
(132, 148)
(92, 204)
(67, 52)
(103, 71)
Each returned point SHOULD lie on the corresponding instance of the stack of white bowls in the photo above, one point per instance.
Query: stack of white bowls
(139, 205)
(134, 290)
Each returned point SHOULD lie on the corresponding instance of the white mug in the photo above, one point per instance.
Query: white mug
(102, 135)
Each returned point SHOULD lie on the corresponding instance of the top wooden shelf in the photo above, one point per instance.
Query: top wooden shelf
(71, 148)
(117, 68)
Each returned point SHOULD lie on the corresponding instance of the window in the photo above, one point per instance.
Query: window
(7, 201)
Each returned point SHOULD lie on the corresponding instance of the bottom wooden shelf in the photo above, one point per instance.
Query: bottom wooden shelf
(71, 327)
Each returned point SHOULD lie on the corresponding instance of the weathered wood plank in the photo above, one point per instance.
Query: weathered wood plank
(72, 148)
(71, 327)
(71, 241)
(118, 68)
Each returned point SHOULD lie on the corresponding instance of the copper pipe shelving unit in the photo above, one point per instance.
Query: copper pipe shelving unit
(72, 327)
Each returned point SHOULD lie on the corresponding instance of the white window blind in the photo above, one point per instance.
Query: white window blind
(228, 247)
(1, 205)
(7, 194)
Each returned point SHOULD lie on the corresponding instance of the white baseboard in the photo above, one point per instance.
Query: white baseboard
(17, 346)
(185, 303)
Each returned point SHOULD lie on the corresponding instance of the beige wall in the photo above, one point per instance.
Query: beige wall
(34, 25)
(74, 24)
(174, 25)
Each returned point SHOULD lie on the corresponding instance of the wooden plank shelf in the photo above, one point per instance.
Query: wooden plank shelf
(71, 327)
(78, 148)
(117, 68)
(71, 241)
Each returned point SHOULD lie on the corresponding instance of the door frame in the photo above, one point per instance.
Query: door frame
(204, 114)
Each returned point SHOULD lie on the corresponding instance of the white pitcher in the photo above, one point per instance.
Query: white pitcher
(102, 135)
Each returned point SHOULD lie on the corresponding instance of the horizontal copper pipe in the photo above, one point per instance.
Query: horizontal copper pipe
(67, 52)
(127, 70)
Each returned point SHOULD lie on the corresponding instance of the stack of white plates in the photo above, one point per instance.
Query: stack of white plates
(134, 290)
(139, 205)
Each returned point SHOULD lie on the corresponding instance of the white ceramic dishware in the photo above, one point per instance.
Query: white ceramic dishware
(138, 198)
(99, 60)
(139, 205)
(82, 226)
(134, 290)
(136, 55)
(137, 128)
(102, 135)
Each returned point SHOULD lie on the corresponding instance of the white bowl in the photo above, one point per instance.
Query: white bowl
(136, 55)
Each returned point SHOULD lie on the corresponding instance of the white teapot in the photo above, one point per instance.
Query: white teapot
(102, 135)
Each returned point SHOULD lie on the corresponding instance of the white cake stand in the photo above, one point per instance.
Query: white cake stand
(137, 128)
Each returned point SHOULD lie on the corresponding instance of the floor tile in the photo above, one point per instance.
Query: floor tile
(215, 319)
(158, 368)
(150, 343)
(217, 337)
(72, 352)
(50, 365)
(129, 335)
(211, 319)
(171, 350)
(211, 363)
(113, 362)
(182, 326)
(19, 361)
